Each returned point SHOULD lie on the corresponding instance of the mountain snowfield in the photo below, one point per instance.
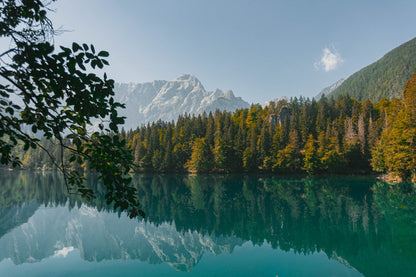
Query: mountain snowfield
(166, 100)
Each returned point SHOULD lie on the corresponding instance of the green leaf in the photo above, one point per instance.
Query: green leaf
(65, 49)
(9, 110)
(75, 47)
(103, 54)
(26, 146)
(100, 64)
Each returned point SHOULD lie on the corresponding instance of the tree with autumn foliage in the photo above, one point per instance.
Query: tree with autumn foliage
(395, 152)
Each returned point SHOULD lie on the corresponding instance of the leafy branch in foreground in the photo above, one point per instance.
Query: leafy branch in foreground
(53, 93)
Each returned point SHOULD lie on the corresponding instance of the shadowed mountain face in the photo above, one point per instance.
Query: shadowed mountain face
(166, 100)
(361, 223)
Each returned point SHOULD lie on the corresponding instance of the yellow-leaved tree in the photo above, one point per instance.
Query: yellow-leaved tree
(395, 152)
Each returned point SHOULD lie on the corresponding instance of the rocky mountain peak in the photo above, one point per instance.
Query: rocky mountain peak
(186, 77)
(229, 94)
(190, 80)
(166, 100)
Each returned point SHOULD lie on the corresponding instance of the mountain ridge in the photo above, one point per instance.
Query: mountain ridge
(166, 100)
(329, 89)
(384, 78)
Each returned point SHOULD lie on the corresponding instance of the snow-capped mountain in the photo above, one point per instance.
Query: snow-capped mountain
(99, 236)
(166, 100)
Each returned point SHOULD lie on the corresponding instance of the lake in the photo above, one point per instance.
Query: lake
(210, 226)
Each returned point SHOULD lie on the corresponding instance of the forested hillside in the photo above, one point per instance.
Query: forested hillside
(383, 79)
(295, 136)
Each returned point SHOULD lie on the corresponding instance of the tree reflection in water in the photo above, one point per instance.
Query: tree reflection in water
(363, 223)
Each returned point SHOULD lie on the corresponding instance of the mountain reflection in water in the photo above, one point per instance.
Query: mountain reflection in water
(365, 225)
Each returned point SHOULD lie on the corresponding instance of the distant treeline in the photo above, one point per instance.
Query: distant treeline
(327, 135)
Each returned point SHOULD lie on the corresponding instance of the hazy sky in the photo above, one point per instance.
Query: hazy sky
(260, 49)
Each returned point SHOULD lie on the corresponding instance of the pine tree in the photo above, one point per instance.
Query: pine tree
(249, 160)
(350, 133)
(264, 143)
(289, 160)
(201, 158)
(362, 135)
(409, 100)
(396, 150)
(310, 159)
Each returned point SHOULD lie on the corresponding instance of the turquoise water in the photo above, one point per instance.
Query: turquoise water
(210, 226)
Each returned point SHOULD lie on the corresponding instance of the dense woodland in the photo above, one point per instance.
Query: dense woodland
(385, 78)
(299, 135)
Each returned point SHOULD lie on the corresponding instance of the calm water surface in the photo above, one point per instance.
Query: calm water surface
(210, 226)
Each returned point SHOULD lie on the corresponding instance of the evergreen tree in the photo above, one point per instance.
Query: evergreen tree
(396, 150)
(310, 159)
(201, 157)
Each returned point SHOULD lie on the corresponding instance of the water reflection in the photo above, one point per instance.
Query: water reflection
(363, 224)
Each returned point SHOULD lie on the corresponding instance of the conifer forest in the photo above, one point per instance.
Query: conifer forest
(299, 135)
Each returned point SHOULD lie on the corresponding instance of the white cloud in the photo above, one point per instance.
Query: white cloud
(63, 252)
(330, 59)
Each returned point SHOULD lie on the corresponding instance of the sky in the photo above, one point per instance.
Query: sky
(262, 50)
